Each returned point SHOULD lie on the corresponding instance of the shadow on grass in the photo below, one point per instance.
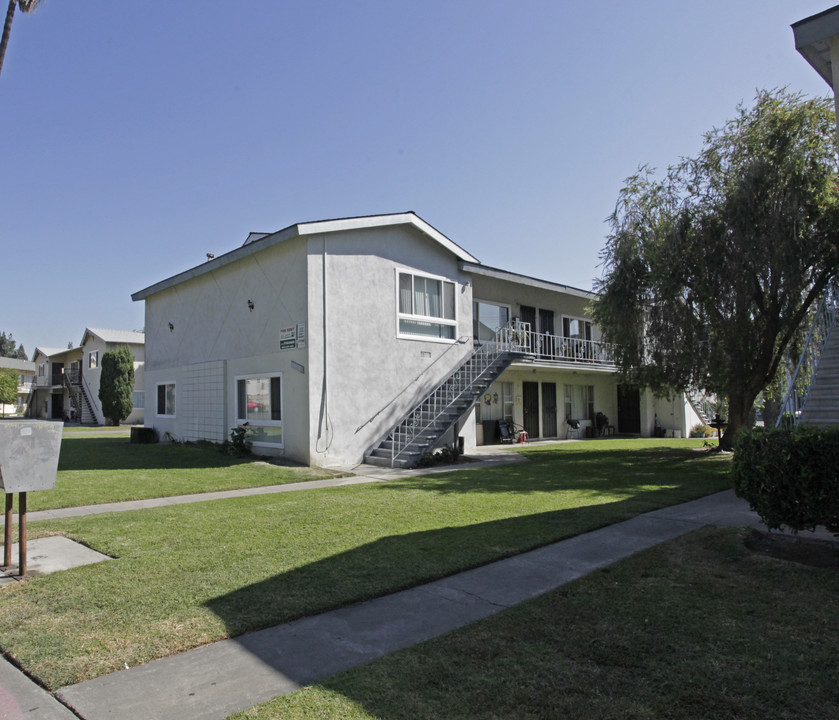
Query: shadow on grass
(320, 645)
(118, 453)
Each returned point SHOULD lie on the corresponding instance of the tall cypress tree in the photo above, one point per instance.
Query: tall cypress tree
(116, 383)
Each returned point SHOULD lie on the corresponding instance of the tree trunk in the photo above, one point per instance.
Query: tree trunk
(740, 405)
(7, 29)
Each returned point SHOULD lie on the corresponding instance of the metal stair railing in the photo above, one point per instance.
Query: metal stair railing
(701, 404)
(418, 421)
(805, 372)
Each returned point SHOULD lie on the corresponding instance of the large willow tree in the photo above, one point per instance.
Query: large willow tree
(709, 271)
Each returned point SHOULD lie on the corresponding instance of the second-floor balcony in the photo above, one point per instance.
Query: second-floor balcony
(57, 378)
(556, 349)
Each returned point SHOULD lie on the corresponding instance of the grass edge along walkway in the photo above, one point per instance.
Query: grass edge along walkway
(698, 627)
(232, 675)
(168, 591)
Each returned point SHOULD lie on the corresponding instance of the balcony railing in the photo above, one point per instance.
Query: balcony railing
(555, 348)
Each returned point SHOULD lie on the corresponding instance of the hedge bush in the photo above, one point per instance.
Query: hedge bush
(790, 476)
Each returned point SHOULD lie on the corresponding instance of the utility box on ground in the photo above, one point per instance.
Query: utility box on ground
(29, 452)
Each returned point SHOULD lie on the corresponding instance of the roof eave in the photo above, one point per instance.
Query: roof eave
(305, 229)
(812, 39)
(508, 276)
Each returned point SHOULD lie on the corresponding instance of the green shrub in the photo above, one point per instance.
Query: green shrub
(701, 430)
(446, 455)
(241, 441)
(790, 476)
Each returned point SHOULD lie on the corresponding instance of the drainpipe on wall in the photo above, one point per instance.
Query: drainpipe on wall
(324, 426)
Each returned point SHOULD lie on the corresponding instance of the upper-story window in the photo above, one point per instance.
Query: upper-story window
(576, 328)
(487, 318)
(93, 360)
(426, 307)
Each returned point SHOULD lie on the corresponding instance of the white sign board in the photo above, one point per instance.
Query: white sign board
(29, 452)
(288, 338)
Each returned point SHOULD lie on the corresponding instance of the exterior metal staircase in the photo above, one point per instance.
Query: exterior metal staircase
(813, 394)
(421, 428)
(76, 388)
(701, 404)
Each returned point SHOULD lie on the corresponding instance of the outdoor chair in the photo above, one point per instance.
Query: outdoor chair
(573, 427)
(601, 422)
(504, 432)
(510, 432)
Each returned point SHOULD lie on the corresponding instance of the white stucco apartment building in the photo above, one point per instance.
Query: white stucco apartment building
(324, 335)
(67, 380)
(24, 371)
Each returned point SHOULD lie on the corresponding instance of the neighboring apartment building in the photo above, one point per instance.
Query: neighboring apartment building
(67, 381)
(25, 371)
(322, 336)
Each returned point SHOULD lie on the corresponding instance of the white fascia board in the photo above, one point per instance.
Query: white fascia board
(308, 228)
(526, 280)
(812, 40)
(371, 221)
(49, 352)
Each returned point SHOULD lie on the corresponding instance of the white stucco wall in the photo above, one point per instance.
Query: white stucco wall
(515, 294)
(216, 337)
(93, 376)
(362, 377)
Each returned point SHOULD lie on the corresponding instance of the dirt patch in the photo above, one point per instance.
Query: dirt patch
(804, 550)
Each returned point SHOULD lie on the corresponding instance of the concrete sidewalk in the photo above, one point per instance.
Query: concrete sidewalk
(354, 475)
(224, 677)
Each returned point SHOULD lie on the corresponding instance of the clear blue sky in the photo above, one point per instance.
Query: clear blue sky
(136, 137)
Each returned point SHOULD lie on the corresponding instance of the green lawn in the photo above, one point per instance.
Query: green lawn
(697, 628)
(94, 469)
(191, 574)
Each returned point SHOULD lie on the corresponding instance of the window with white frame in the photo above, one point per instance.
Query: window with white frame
(426, 307)
(93, 360)
(487, 318)
(579, 402)
(507, 401)
(166, 399)
(259, 402)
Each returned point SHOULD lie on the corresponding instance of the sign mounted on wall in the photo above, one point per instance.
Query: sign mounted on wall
(293, 337)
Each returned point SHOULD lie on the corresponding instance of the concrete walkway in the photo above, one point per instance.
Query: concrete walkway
(228, 676)
(232, 675)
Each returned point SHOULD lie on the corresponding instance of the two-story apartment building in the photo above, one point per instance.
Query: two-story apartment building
(67, 380)
(25, 372)
(325, 335)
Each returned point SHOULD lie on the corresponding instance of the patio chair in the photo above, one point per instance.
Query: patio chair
(505, 432)
(601, 422)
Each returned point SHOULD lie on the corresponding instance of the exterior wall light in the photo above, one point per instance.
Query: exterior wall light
(171, 327)
(250, 305)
